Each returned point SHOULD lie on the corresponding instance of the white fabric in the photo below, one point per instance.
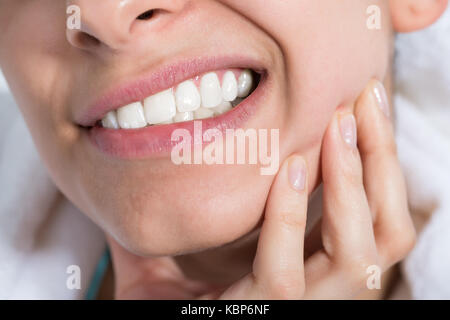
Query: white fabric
(41, 233)
(422, 103)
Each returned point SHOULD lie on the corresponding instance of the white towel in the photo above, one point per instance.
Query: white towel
(41, 233)
(422, 102)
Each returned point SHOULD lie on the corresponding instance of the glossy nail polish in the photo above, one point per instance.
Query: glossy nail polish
(381, 98)
(347, 124)
(297, 174)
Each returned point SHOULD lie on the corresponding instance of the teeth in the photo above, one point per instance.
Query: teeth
(160, 107)
(236, 102)
(222, 108)
(183, 116)
(184, 102)
(229, 86)
(245, 83)
(131, 116)
(110, 120)
(211, 91)
(187, 97)
(167, 122)
(203, 113)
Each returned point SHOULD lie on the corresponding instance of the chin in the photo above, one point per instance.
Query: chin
(190, 224)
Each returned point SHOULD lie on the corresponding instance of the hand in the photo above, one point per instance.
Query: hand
(365, 220)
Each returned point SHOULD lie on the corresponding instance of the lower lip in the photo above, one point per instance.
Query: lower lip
(156, 141)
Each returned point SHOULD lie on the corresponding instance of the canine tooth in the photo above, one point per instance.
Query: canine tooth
(187, 96)
(160, 107)
(183, 116)
(229, 86)
(210, 89)
(222, 108)
(131, 116)
(245, 83)
(110, 120)
(203, 113)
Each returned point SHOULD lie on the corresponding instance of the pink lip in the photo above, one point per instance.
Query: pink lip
(162, 79)
(156, 141)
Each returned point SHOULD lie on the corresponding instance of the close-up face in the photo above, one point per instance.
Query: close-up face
(306, 58)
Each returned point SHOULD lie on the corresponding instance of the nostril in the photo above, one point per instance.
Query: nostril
(147, 15)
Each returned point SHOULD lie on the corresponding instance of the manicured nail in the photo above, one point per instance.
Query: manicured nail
(297, 173)
(347, 124)
(381, 97)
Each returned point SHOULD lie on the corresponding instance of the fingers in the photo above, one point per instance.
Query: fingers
(383, 177)
(347, 225)
(366, 219)
(347, 231)
(278, 264)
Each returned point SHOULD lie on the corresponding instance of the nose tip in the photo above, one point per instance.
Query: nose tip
(110, 22)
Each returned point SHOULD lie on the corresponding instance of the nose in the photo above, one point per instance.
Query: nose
(115, 23)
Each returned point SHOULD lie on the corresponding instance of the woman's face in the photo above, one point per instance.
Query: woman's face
(313, 56)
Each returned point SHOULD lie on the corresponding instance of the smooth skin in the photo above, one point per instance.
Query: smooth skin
(193, 231)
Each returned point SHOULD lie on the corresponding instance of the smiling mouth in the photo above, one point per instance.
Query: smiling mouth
(136, 120)
(202, 97)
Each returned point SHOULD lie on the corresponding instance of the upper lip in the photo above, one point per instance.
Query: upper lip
(155, 81)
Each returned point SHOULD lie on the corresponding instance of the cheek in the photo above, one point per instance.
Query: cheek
(328, 65)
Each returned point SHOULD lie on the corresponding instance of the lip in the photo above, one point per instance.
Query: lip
(156, 141)
(161, 79)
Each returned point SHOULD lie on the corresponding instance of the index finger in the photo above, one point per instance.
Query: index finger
(278, 264)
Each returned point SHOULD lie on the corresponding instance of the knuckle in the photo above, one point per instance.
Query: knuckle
(292, 219)
(285, 285)
(355, 269)
(403, 245)
(384, 149)
(353, 175)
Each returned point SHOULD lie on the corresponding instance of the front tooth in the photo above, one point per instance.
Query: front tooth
(166, 122)
(203, 113)
(245, 83)
(229, 86)
(160, 107)
(131, 116)
(210, 89)
(223, 107)
(110, 120)
(183, 116)
(187, 97)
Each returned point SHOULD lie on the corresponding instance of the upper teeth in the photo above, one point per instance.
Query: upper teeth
(184, 103)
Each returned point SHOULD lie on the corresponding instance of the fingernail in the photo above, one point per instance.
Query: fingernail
(381, 97)
(297, 173)
(347, 124)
